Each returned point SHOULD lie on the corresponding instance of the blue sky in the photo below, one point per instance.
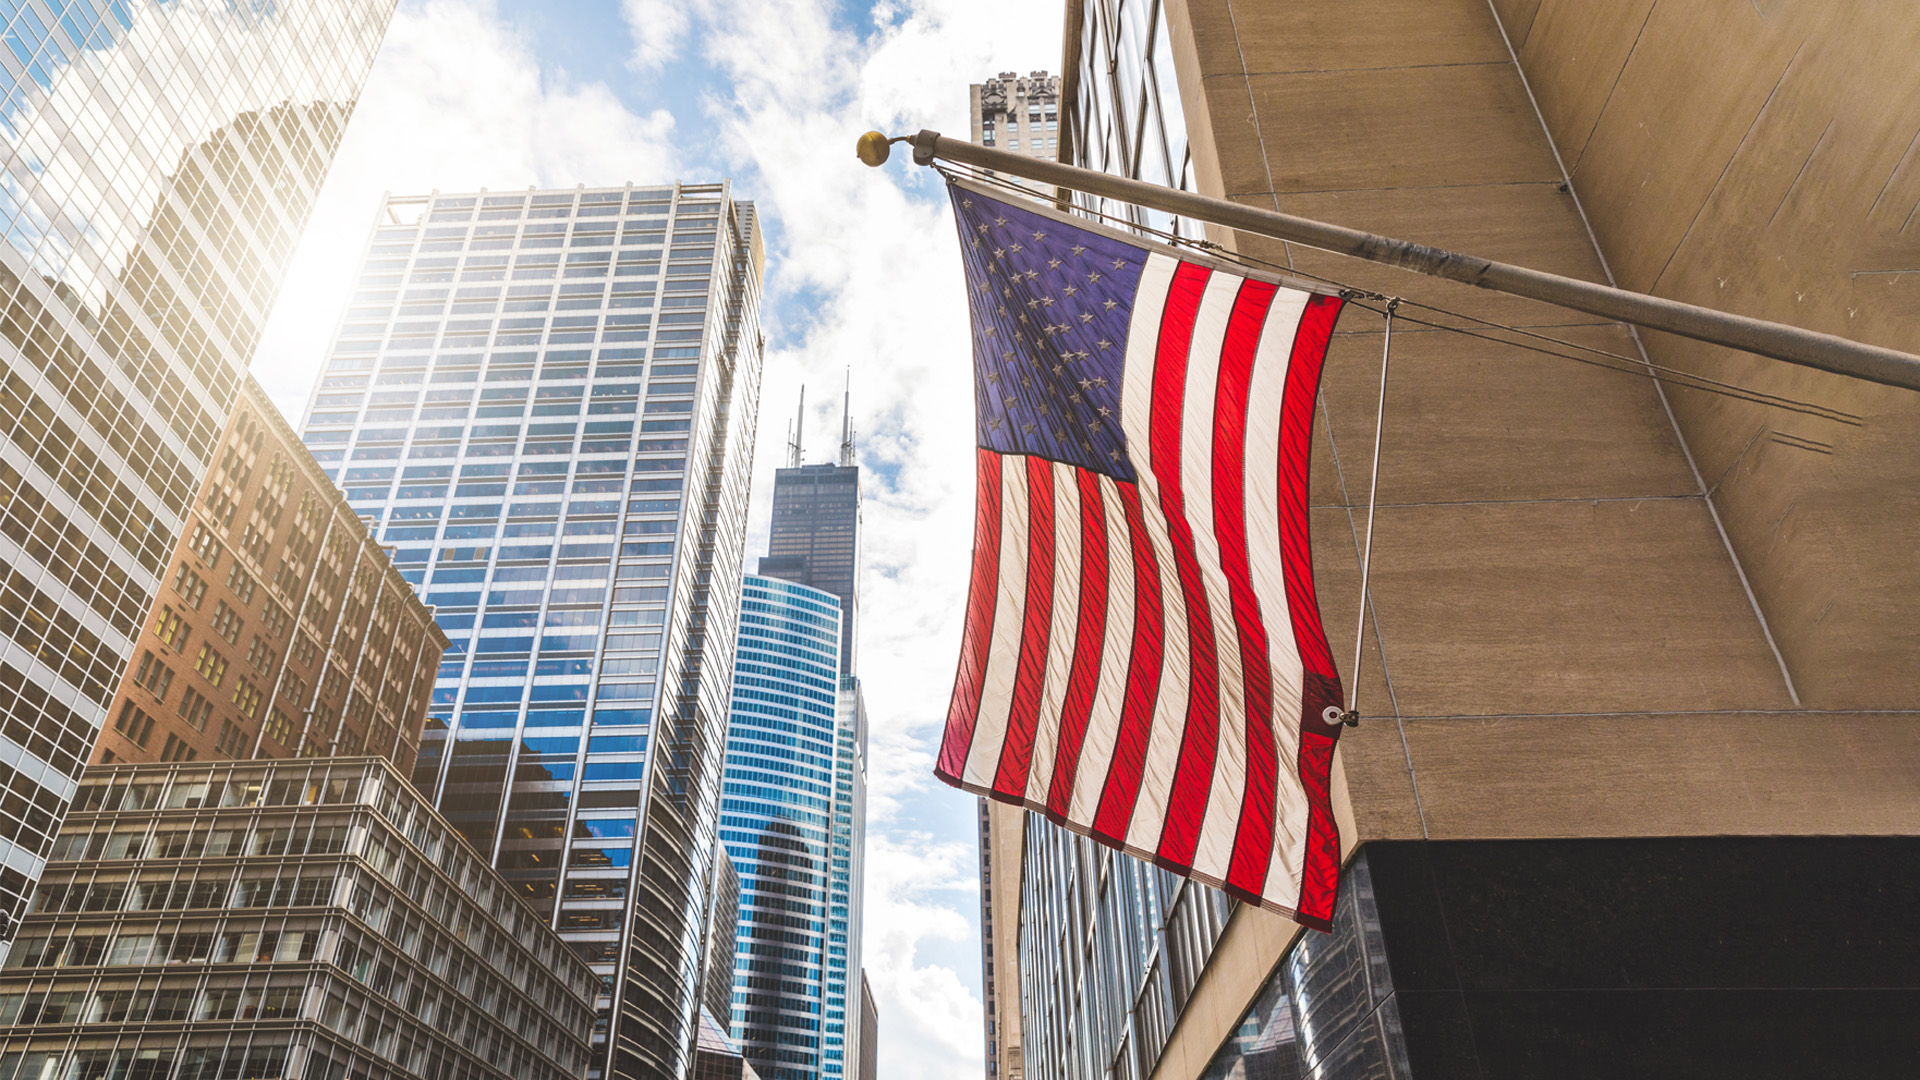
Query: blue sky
(863, 276)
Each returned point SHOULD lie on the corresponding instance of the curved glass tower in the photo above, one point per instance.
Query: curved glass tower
(777, 821)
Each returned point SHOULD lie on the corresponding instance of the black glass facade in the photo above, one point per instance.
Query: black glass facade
(1644, 958)
(815, 538)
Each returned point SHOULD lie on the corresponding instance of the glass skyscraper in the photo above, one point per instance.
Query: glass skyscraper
(545, 400)
(814, 538)
(802, 1021)
(793, 819)
(159, 163)
(846, 886)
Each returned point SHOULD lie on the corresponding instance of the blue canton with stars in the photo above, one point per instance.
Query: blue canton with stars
(1050, 308)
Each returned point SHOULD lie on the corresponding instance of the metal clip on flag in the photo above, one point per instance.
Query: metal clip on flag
(1143, 659)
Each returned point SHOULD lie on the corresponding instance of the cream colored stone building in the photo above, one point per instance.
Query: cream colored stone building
(1017, 113)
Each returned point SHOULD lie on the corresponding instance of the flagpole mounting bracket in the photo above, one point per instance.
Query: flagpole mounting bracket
(923, 145)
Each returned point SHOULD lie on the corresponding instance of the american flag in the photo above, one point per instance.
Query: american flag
(1143, 659)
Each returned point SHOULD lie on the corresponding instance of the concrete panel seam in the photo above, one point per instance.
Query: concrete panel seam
(1617, 76)
(1377, 67)
(1516, 502)
(1817, 144)
(1253, 110)
(1640, 346)
(1402, 187)
(1897, 166)
(1737, 459)
(1717, 181)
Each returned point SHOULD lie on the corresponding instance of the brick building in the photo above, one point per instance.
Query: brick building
(281, 628)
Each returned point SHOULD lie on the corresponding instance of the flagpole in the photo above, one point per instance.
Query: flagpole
(1351, 717)
(1792, 344)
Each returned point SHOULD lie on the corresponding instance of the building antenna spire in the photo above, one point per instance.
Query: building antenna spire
(796, 436)
(846, 422)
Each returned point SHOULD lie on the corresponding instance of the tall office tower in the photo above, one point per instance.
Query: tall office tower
(814, 541)
(723, 917)
(281, 628)
(777, 821)
(545, 400)
(814, 537)
(160, 159)
(1021, 115)
(716, 1056)
(999, 826)
(793, 817)
(1639, 710)
(298, 918)
(846, 882)
(1009, 113)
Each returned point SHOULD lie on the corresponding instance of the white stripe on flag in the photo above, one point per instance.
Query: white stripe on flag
(1066, 623)
(1265, 395)
(1003, 654)
(1170, 702)
(1103, 723)
(1096, 757)
(1214, 849)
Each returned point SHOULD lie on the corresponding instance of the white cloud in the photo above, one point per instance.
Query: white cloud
(917, 891)
(658, 28)
(455, 101)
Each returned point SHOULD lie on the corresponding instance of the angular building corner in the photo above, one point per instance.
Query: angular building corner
(160, 161)
(298, 917)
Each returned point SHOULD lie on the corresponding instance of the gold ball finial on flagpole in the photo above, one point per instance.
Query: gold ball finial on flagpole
(872, 149)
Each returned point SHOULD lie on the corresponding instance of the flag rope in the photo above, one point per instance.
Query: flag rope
(1626, 365)
(1351, 717)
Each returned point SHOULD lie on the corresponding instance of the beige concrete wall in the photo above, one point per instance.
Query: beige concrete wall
(1762, 157)
(1579, 586)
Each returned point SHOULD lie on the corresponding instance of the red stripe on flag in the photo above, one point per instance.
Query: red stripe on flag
(1016, 751)
(1199, 738)
(1320, 869)
(1296, 443)
(1253, 838)
(1122, 785)
(982, 592)
(1122, 789)
(1089, 639)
